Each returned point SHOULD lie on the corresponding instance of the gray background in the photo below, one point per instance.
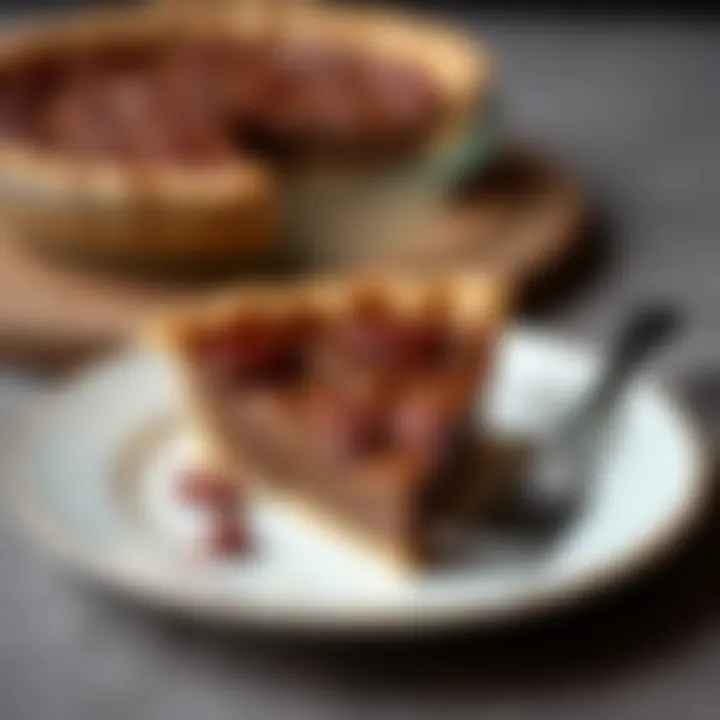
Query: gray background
(634, 109)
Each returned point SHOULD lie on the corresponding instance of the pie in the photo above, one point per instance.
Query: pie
(150, 135)
(348, 399)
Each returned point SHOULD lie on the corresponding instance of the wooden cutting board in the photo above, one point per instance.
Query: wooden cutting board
(521, 218)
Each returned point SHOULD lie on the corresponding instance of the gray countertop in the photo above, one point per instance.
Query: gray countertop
(634, 109)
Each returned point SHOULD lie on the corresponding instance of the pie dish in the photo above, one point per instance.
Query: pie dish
(349, 399)
(90, 166)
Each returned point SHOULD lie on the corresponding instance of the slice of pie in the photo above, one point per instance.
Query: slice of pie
(349, 399)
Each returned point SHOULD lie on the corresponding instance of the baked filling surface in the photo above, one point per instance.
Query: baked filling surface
(215, 99)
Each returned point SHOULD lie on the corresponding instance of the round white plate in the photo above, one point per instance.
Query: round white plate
(96, 484)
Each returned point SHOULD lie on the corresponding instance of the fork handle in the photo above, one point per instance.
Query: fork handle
(644, 332)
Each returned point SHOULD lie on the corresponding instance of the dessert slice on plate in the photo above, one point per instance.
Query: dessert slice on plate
(350, 399)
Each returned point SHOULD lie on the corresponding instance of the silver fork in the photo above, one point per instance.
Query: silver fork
(552, 487)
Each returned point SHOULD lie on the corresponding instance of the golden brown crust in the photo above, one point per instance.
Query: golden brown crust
(110, 209)
(473, 298)
(162, 216)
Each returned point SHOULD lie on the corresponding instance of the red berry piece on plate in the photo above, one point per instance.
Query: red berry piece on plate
(206, 488)
(227, 537)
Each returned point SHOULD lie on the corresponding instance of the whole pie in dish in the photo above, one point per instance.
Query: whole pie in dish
(350, 400)
(156, 135)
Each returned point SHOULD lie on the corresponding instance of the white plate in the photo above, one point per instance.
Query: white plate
(96, 486)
